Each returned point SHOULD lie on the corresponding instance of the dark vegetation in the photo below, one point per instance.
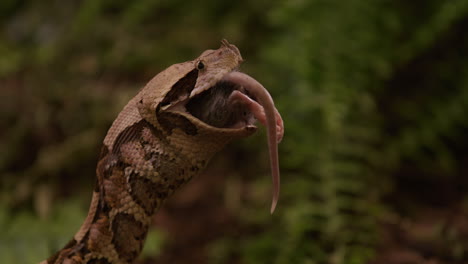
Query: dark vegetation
(374, 95)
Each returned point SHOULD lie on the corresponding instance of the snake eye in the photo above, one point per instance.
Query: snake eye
(200, 65)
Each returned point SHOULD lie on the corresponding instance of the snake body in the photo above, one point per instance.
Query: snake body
(162, 138)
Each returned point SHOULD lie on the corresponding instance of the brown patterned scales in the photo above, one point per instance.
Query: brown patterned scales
(162, 138)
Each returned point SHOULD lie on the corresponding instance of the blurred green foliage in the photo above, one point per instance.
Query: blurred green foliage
(366, 89)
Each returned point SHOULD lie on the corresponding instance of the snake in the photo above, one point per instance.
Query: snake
(163, 137)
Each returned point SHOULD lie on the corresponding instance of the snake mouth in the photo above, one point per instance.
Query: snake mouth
(232, 105)
(236, 102)
(224, 105)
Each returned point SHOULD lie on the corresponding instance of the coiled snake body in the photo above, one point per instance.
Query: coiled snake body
(162, 138)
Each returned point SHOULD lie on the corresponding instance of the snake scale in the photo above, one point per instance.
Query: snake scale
(162, 138)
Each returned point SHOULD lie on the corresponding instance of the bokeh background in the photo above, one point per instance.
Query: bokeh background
(374, 95)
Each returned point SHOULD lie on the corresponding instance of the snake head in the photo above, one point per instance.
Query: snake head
(208, 102)
(203, 96)
(214, 64)
(200, 74)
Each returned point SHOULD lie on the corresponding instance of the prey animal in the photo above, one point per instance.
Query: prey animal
(161, 139)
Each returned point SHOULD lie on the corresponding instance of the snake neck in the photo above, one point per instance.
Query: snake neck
(134, 177)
